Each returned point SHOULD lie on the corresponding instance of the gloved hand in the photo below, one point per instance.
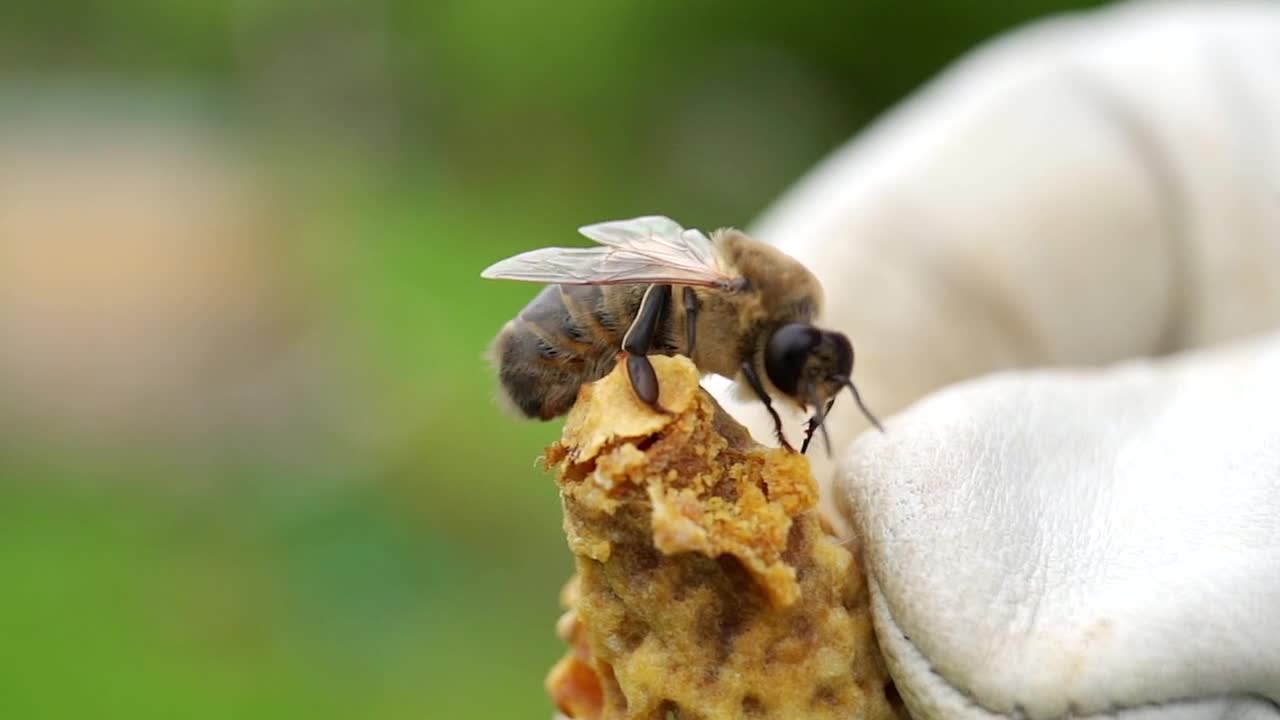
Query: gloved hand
(1096, 542)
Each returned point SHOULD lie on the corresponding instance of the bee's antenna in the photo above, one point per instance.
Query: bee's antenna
(858, 399)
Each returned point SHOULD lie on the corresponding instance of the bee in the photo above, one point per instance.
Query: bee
(735, 306)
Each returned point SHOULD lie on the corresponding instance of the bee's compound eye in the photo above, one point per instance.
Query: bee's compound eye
(842, 353)
(786, 354)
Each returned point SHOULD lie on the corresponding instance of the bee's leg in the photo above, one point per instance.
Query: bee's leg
(753, 380)
(812, 427)
(639, 339)
(690, 317)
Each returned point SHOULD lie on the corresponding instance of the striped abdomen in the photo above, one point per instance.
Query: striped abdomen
(569, 335)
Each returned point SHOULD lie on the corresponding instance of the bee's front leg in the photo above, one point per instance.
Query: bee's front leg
(753, 379)
(814, 423)
(639, 339)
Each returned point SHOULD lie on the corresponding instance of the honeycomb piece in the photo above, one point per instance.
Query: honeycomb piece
(707, 584)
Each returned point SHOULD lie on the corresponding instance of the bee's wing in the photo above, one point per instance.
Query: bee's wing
(659, 236)
(600, 266)
(642, 250)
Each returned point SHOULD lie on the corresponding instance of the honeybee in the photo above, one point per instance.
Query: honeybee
(743, 310)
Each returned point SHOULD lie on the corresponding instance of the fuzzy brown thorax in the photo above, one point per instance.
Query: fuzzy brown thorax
(787, 291)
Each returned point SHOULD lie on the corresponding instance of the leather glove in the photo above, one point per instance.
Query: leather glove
(1089, 193)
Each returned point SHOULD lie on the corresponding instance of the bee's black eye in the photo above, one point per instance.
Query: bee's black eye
(786, 354)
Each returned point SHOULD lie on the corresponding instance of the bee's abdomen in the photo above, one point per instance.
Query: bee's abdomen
(546, 354)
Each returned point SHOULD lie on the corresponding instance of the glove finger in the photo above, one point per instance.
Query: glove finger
(1081, 192)
(1056, 542)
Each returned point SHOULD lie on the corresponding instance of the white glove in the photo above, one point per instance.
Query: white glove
(1054, 542)
(1100, 543)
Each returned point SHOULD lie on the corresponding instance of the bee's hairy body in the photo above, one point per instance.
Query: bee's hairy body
(569, 335)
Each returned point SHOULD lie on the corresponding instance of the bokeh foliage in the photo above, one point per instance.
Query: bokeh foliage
(415, 142)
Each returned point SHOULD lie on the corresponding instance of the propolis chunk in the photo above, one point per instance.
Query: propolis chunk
(707, 586)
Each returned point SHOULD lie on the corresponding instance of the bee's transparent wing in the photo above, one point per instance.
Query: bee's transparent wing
(658, 236)
(641, 250)
(600, 266)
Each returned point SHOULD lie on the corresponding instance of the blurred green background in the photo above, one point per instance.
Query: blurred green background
(250, 465)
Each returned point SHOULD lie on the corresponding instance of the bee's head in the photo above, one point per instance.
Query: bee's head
(812, 366)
